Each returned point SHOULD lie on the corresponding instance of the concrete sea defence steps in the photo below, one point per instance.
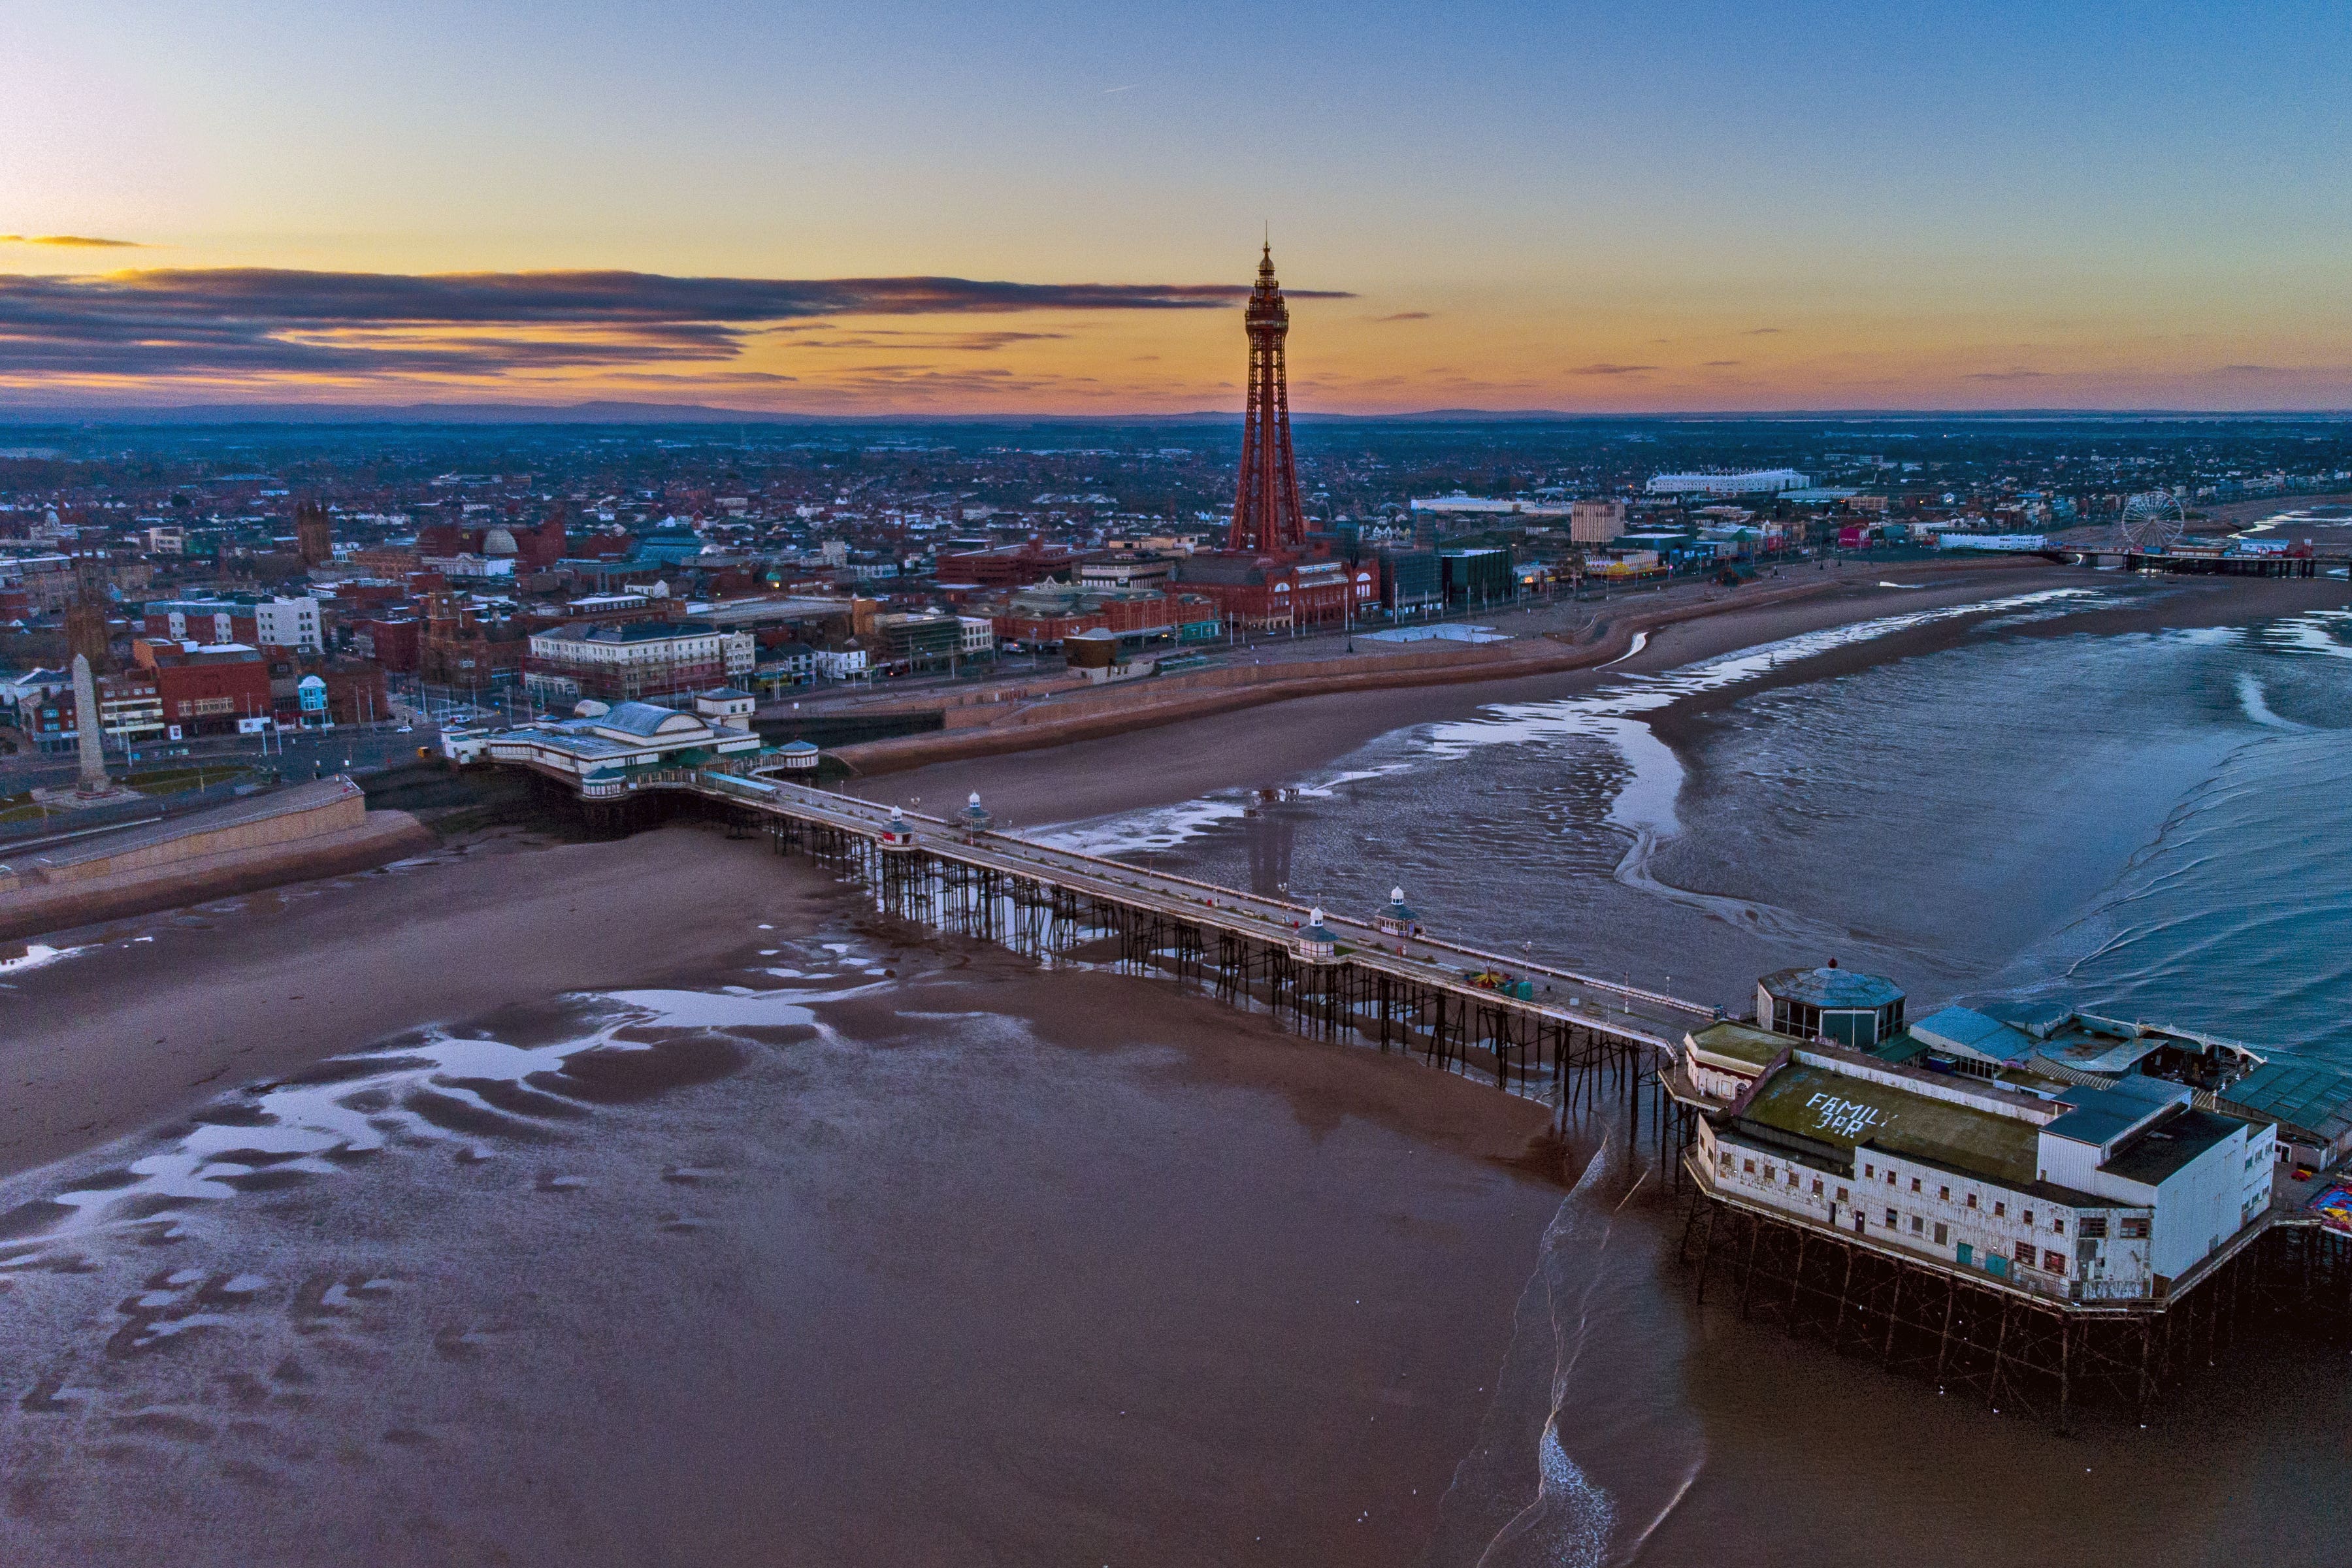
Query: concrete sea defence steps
(320, 829)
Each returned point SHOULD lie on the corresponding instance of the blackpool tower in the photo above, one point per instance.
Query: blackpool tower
(1266, 519)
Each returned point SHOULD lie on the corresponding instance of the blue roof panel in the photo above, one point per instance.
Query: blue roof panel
(1965, 1029)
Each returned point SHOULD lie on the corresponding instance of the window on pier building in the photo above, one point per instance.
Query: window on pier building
(1870, 1169)
(1915, 1184)
(1941, 1233)
(2025, 1253)
(1748, 1168)
(1842, 1197)
(1817, 1186)
(2092, 1228)
(1944, 1194)
(2058, 1225)
(2133, 1227)
(1917, 1225)
(1891, 1220)
(1972, 1200)
(1999, 1208)
(1767, 1173)
(2029, 1216)
(2053, 1263)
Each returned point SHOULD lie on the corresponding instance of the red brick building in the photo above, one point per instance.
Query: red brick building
(1009, 567)
(394, 560)
(205, 690)
(392, 642)
(1266, 593)
(1040, 618)
(531, 549)
(201, 620)
(465, 644)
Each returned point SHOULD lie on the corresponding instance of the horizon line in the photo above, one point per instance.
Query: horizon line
(629, 412)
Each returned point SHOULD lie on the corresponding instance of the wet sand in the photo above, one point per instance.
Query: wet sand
(1008, 1267)
(1000, 1266)
(170, 1009)
(263, 983)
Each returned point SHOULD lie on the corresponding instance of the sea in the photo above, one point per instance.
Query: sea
(2150, 825)
(723, 1275)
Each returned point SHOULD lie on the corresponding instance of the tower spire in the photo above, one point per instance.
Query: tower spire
(1266, 516)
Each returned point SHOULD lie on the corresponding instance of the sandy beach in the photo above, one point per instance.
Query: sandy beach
(163, 1012)
(189, 1001)
(977, 1262)
(997, 1265)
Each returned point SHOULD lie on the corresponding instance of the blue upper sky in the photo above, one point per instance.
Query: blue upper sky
(1692, 205)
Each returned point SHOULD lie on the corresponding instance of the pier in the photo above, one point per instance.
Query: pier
(1533, 1028)
(1592, 1048)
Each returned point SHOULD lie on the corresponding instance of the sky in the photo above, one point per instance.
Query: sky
(1022, 207)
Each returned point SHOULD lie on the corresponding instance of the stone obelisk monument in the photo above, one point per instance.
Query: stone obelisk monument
(88, 724)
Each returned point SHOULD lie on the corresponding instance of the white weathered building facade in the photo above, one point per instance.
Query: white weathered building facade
(2096, 1195)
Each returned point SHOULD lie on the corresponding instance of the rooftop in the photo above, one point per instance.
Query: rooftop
(1847, 1112)
(1832, 987)
(2165, 1148)
(2314, 1096)
(642, 719)
(1966, 1029)
(1741, 1042)
(2102, 1115)
(630, 631)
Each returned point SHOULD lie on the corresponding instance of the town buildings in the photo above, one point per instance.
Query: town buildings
(1041, 617)
(209, 688)
(1744, 482)
(276, 621)
(1269, 594)
(632, 660)
(1009, 567)
(1596, 521)
(811, 538)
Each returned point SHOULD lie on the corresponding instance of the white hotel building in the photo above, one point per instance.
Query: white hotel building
(620, 662)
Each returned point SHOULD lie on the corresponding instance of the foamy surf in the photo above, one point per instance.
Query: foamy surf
(1611, 714)
(1564, 1465)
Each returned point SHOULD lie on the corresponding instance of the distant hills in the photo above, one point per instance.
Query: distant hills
(27, 412)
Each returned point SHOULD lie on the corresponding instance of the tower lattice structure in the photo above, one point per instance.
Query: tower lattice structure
(1267, 518)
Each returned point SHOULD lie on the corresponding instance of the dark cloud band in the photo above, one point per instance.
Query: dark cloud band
(258, 321)
(71, 241)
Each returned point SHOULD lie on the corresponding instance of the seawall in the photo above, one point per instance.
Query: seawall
(1166, 699)
(312, 830)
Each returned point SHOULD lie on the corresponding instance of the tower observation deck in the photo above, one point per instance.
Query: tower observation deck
(1267, 518)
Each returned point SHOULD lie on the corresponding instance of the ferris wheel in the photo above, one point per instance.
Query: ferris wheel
(2152, 523)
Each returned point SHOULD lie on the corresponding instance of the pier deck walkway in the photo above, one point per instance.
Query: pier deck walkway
(1551, 996)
